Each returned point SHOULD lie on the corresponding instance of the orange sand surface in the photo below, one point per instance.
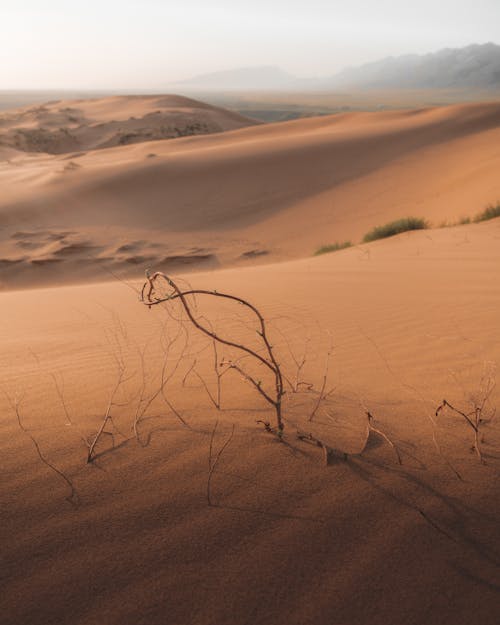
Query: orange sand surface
(261, 193)
(287, 540)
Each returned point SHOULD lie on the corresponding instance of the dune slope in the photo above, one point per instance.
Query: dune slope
(64, 126)
(287, 540)
(269, 192)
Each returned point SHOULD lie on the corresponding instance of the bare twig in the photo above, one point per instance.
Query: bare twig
(60, 393)
(219, 374)
(473, 419)
(327, 450)
(107, 415)
(371, 428)
(72, 498)
(213, 463)
(150, 298)
(145, 401)
(322, 395)
(299, 363)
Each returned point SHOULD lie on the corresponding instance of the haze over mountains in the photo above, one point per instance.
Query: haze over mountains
(262, 77)
(473, 66)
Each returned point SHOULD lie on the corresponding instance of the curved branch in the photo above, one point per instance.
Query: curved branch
(149, 299)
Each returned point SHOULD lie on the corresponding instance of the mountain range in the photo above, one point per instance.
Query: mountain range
(474, 66)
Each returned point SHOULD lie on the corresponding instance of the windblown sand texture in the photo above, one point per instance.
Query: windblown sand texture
(267, 192)
(409, 321)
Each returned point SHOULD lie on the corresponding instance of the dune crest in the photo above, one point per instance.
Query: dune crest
(258, 194)
(64, 126)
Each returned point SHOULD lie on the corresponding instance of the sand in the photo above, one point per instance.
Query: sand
(260, 194)
(64, 126)
(287, 540)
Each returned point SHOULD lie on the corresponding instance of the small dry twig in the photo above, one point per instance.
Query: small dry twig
(107, 415)
(219, 374)
(213, 463)
(144, 401)
(72, 498)
(371, 428)
(322, 395)
(479, 401)
(327, 450)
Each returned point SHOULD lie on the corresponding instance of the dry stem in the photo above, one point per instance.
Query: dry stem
(371, 428)
(213, 464)
(72, 498)
(107, 415)
(150, 298)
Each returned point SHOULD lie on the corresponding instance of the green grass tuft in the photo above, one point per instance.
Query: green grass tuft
(490, 212)
(395, 227)
(333, 247)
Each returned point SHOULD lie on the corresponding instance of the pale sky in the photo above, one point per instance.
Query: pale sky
(141, 44)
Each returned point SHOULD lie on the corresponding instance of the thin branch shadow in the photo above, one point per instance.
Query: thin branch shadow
(276, 515)
(472, 577)
(463, 536)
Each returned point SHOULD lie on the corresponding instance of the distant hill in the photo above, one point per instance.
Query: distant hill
(62, 126)
(264, 77)
(473, 66)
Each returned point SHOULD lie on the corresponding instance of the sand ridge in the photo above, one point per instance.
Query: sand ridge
(263, 193)
(60, 126)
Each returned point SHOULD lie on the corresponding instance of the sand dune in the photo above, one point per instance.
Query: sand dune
(410, 321)
(264, 193)
(63, 126)
(414, 319)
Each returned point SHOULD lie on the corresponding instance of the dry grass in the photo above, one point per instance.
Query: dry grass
(333, 247)
(490, 212)
(395, 227)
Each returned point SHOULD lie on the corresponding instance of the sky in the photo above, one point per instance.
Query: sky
(141, 44)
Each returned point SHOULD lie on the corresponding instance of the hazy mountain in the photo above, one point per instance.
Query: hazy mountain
(473, 66)
(476, 66)
(265, 77)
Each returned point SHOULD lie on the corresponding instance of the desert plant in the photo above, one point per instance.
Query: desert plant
(151, 296)
(479, 403)
(332, 247)
(15, 404)
(330, 452)
(490, 212)
(121, 379)
(145, 399)
(371, 431)
(395, 227)
(212, 462)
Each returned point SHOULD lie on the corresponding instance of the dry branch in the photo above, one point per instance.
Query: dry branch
(473, 419)
(296, 383)
(217, 364)
(72, 498)
(371, 428)
(478, 401)
(150, 297)
(327, 450)
(145, 401)
(213, 463)
(322, 395)
(107, 415)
